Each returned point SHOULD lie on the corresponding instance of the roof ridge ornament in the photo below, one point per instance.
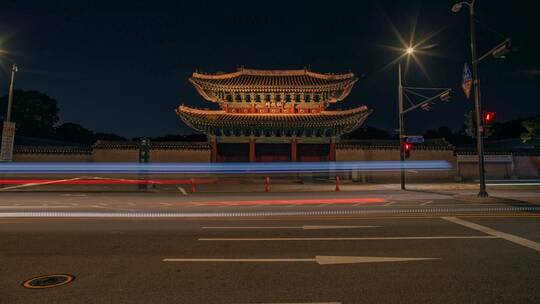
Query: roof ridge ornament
(241, 70)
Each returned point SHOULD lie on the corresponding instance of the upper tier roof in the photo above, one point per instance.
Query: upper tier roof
(273, 81)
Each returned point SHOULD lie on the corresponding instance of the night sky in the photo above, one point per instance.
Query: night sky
(122, 67)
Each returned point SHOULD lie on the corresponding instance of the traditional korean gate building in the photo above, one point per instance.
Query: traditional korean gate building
(273, 115)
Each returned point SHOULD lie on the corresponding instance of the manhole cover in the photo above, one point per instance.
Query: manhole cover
(48, 281)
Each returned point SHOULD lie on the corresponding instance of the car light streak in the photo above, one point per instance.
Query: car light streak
(222, 168)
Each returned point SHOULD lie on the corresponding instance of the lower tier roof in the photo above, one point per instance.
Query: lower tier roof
(333, 122)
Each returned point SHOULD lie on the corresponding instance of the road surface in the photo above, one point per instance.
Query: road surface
(245, 248)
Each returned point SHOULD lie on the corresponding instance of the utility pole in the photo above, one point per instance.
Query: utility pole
(478, 106)
(14, 69)
(8, 130)
(477, 97)
(400, 107)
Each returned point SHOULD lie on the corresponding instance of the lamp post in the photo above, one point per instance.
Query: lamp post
(409, 51)
(400, 108)
(477, 98)
(8, 130)
(14, 69)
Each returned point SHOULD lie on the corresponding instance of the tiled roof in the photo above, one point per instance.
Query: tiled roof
(110, 144)
(248, 80)
(22, 149)
(428, 144)
(203, 119)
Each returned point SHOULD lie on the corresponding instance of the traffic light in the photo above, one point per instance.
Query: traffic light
(144, 150)
(488, 117)
(447, 96)
(427, 106)
(470, 128)
(406, 148)
(503, 49)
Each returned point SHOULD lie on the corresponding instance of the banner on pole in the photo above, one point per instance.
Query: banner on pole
(467, 81)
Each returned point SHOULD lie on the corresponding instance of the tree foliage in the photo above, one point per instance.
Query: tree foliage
(34, 113)
(368, 132)
(532, 132)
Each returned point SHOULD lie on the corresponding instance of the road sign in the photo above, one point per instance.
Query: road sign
(8, 136)
(413, 139)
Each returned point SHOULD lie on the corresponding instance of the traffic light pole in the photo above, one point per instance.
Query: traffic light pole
(401, 128)
(478, 106)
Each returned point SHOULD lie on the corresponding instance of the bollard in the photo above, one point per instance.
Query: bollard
(337, 183)
(192, 185)
(267, 184)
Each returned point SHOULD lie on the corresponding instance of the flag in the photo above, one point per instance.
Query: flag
(467, 81)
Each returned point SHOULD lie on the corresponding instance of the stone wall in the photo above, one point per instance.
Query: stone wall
(51, 154)
(352, 153)
(522, 166)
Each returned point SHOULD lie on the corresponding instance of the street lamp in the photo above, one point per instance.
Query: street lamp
(477, 100)
(408, 52)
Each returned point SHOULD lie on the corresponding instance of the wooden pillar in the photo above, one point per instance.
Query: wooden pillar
(213, 149)
(293, 149)
(332, 153)
(252, 150)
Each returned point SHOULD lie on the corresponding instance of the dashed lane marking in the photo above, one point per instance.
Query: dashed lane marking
(425, 203)
(305, 227)
(321, 260)
(390, 203)
(503, 235)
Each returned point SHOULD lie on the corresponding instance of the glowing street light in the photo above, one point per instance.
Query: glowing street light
(409, 50)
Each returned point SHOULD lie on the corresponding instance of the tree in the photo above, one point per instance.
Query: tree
(34, 113)
(74, 133)
(441, 132)
(368, 132)
(108, 136)
(532, 132)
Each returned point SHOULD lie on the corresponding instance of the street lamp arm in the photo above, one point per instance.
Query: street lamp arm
(487, 54)
(425, 102)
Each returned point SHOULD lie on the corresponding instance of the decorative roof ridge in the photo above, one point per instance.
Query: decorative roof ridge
(255, 72)
(183, 108)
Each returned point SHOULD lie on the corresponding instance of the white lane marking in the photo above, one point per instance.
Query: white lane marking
(354, 238)
(184, 192)
(295, 303)
(111, 208)
(513, 184)
(305, 227)
(428, 202)
(39, 184)
(390, 203)
(503, 235)
(74, 195)
(165, 204)
(321, 260)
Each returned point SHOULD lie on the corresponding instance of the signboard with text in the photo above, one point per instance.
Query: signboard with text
(8, 137)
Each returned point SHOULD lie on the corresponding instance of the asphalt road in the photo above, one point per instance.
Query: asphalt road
(479, 256)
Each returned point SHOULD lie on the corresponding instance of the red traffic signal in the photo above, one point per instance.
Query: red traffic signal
(406, 148)
(489, 117)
